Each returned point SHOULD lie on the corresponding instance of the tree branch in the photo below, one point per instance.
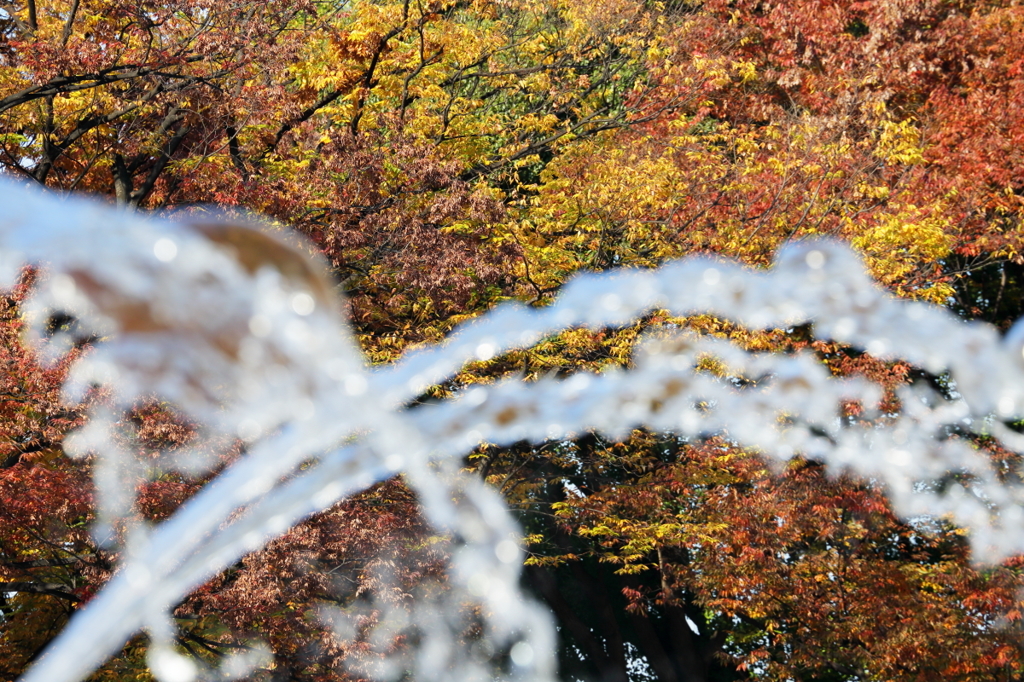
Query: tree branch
(52, 589)
(65, 84)
(66, 33)
(39, 563)
(138, 196)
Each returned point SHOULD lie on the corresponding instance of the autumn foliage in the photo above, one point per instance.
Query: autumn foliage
(445, 156)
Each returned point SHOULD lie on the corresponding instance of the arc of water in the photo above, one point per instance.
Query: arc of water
(149, 298)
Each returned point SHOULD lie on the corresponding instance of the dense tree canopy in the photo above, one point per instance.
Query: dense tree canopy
(445, 156)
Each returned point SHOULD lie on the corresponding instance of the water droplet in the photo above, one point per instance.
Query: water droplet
(478, 584)
(260, 325)
(476, 396)
(303, 303)
(521, 654)
(485, 351)
(63, 287)
(165, 250)
(249, 430)
(169, 666)
(507, 552)
(815, 259)
(355, 384)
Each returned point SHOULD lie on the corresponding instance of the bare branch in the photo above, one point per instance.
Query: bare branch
(52, 589)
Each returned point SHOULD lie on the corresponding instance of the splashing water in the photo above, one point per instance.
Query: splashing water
(239, 329)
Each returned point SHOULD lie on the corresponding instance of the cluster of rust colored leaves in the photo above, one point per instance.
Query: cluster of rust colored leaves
(447, 155)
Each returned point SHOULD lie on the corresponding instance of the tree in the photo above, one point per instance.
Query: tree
(805, 129)
(448, 156)
(48, 563)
